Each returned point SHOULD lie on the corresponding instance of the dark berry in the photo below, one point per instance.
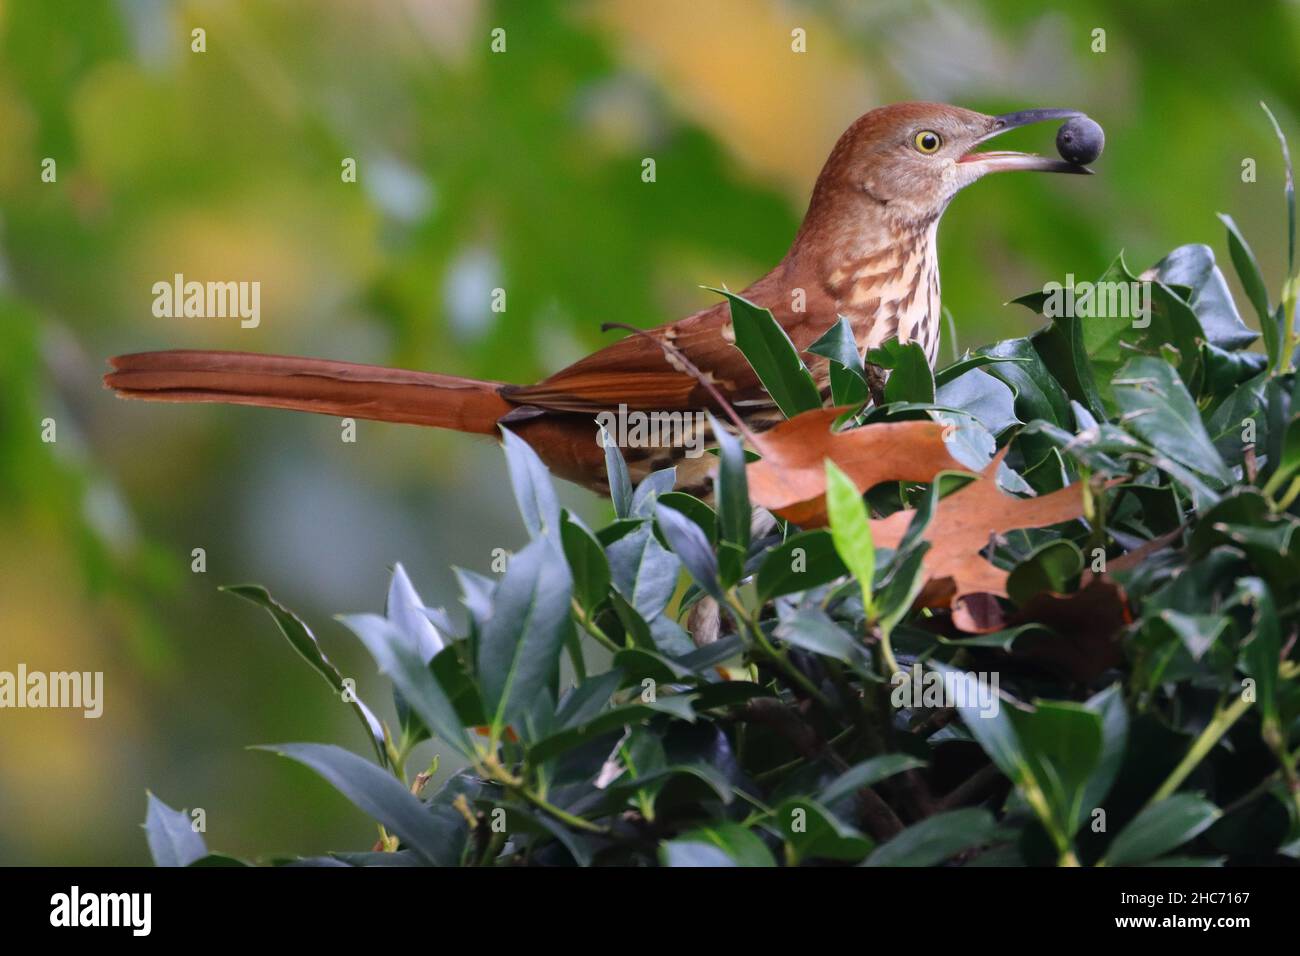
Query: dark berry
(1080, 140)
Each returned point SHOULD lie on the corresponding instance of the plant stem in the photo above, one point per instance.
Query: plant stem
(594, 629)
(564, 816)
(1203, 744)
(779, 657)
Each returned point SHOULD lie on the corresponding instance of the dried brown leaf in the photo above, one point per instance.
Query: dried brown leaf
(790, 480)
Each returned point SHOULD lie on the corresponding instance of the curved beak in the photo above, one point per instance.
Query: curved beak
(997, 161)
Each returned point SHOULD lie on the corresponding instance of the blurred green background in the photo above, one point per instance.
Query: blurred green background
(476, 170)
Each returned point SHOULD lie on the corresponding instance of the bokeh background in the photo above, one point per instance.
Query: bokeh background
(476, 170)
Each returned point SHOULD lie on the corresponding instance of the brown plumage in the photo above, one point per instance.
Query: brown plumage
(866, 250)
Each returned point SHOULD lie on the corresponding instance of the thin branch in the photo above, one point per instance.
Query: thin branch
(691, 369)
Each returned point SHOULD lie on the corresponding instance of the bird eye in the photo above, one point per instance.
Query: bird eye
(927, 141)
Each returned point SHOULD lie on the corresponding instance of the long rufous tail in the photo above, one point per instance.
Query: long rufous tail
(311, 385)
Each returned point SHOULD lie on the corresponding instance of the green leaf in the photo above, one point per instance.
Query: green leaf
(304, 642)
(865, 774)
(901, 587)
(803, 561)
(935, 839)
(1262, 649)
(1097, 327)
(401, 663)
(1160, 828)
(579, 704)
(1052, 566)
(739, 847)
(694, 853)
(848, 378)
(732, 489)
(773, 357)
(531, 482)
(839, 345)
(1289, 190)
(1050, 752)
(172, 839)
(377, 794)
(652, 486)
(676, 705)
(1158, 409)
(910, 378)
(620, 482)
(689, 543)
(1197, 632)
(811, 629)
(851, 530)
(644, 572)
(519, 651)
(525, 820)
(979, 360)
(1109, 706)
(847, 387)
(1252, 281)
(984, 397)
(813, 832)
(1037, 393)
(1192, 267)
(1063, 743)
(405, 609)
(587, 562)
(696, 510)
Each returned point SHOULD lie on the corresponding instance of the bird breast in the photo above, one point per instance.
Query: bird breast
(892, 292)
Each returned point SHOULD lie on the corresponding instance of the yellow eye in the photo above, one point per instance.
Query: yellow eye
(928, 141)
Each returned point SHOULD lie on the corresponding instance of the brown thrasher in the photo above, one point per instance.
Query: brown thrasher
(865, 250)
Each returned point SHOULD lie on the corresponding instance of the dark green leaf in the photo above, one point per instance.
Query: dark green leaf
(519, 651)
(696, 510)
(812, 630)
(773, 357)
(587, 562)
(689, 543)
(652, 486)
(813, 832)
(304, 642)
(935, 839)
(734, 513)
(850, 529)
(531, 482)
(172, 839)
(376, 793)
(620, 483)
(1159, 410)
(740, 847)
(401, 663)
(910, 379)
(1252, 281)
(643, 571)
(979, 360)
(1050, 567)
(803, 561)
(866, 774)
(1160, 828)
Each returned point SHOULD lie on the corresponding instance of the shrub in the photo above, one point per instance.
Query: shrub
(1080, 649)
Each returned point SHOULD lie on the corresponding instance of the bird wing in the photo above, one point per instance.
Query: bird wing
(642, 374)
(639, 372)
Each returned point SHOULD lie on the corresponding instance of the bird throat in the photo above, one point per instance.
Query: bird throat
(892, 291)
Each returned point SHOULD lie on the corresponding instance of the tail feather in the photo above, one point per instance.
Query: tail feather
(311, 385)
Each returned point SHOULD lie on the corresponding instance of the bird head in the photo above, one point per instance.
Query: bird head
(912, 158)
